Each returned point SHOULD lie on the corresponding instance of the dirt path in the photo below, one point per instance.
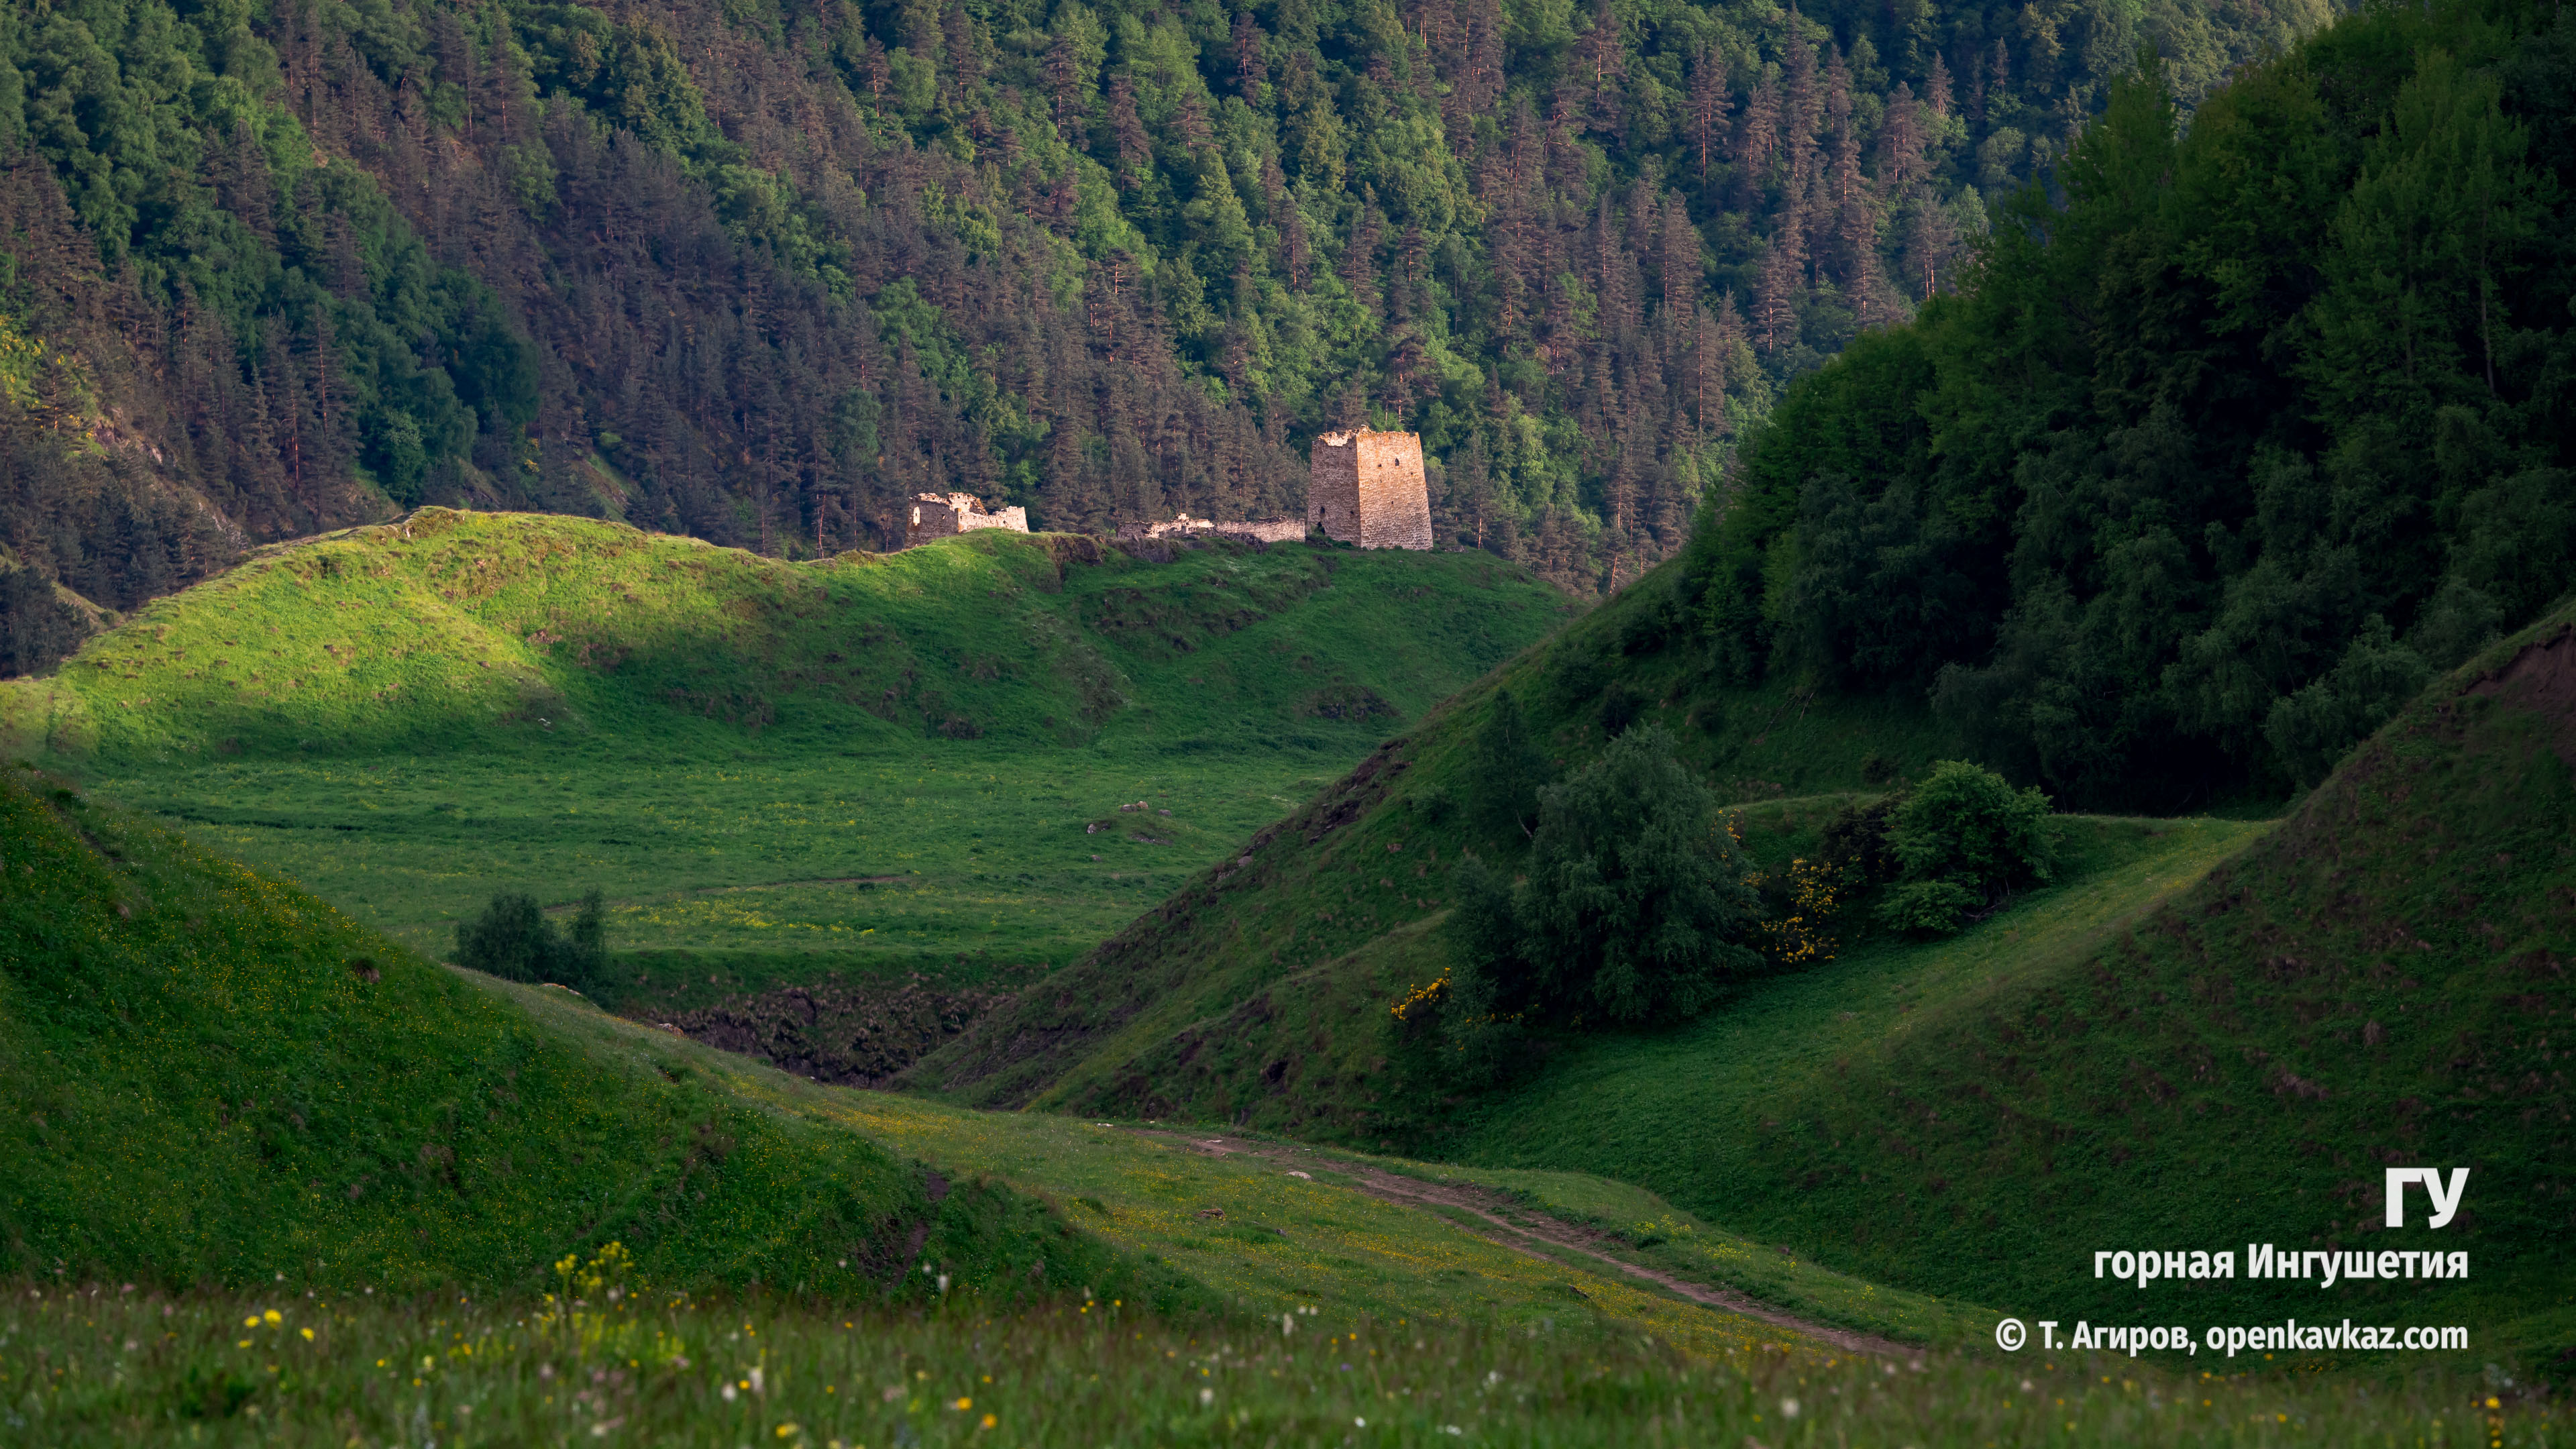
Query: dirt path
(1530, 1232)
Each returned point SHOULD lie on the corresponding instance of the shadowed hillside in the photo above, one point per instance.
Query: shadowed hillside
(1258, 991)
(2190, 1041)
(216, 1079)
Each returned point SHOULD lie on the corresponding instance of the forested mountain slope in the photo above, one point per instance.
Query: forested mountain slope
(757, 271)
(2210, 469)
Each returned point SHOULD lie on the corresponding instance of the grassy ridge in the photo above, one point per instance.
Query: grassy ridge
(405, 718)
(218, 1079)
(451, 628)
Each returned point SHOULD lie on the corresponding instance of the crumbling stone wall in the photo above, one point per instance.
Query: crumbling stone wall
(946, 515)
(1265, 530)
(1368, 488)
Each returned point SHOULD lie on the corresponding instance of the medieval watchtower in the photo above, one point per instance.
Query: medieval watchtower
(1367, 488)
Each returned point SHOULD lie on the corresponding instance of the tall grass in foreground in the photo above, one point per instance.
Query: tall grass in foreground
(108, 1366)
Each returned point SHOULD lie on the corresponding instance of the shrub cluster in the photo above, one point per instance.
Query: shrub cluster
(1948, 850)
(1634, 907)
(513, 940)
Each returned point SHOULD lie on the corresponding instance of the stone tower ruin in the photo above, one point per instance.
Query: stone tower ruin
(1367, 488)
(946, 515)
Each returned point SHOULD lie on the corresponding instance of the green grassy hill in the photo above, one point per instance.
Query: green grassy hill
(1257, 992)
(2382, 979)
(446, 629)
(2206, 1034)
(216, 1079)
(776, 771)
(205, 1065)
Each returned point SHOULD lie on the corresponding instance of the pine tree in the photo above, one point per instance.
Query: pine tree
(1757, 140)
(1510, 771)
(1707, 105)
(1127, 134)
(1775, 317)
(1249, 72)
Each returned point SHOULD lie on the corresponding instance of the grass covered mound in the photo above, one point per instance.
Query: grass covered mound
(447, 628)
(774, 772)
(2387, 978)
(214, 1078)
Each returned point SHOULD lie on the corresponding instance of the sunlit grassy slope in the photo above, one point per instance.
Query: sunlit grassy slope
(213, 1078)
(408, 717)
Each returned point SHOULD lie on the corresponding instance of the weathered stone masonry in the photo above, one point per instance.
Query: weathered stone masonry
(1368, 488)
(1365, 488)
(945, 515)
(1266, 530)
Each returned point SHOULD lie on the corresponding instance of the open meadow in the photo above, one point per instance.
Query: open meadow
(85, 1367)
(968, 761)
(755, 868)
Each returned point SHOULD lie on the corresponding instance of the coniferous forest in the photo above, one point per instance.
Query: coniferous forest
(2220, 456)
(758, 271)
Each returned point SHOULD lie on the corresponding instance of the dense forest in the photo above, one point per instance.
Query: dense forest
(757, 270)
(2205, 470)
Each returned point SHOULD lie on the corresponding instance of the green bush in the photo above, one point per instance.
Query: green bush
(1634, 907)
(513, 940)
(1961, 840)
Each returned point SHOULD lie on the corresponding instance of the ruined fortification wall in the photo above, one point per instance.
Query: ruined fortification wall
(1012, 520)
(930, 518)
(946, 515)
(1265, 530)
(1268, 530)
(1368, 488)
